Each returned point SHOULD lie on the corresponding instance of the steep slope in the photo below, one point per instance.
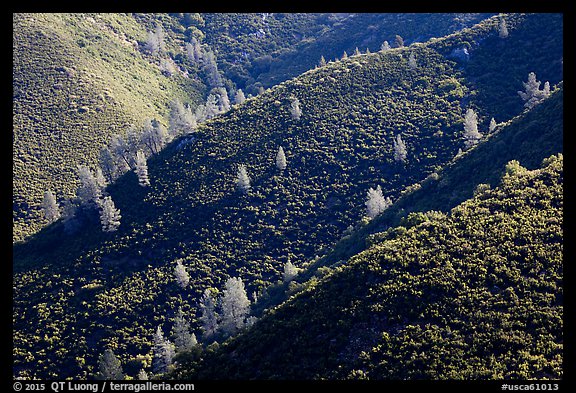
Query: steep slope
(529, 139)
(74, 296)
(494, 70)
(77, 78)
(266, 49)
(252, 50)
(475, 294)
(80, 77)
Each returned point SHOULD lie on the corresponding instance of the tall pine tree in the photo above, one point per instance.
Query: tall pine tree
(182, 276)
(163, 353)
(109, 367)
(295, 110)
(50, 207)
(502, 29)
(290, 271)
(183, 339)
(109, 215)
(208, 317)
(142, 169)
(242, 180)
(375, 202)
(400, 152)
(281, 159)
(532, 95)
(235, 306)
(88, 192)
(471, 134)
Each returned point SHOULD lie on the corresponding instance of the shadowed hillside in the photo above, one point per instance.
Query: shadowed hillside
(473, 294)
(258, 49)
(76, 295)
(77, 79)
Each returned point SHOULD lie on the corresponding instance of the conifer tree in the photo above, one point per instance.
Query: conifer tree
(546, 90)
(168, 67)
(211, 109)
(345, 55)
(400, 152)
(235, 306)
(142, 169)
(210, 68)
(223, 100)
(109, 366)
(322, 61)
(109, 215)
(200, 113)
(492, 126)
(50, 207)
(132, 144)
(182, 276)
(163, 353)
(100, 179)
(190, 120)
(142, 375)
(69, 218)
(385, 46)
(375, 202)
(412, 61)
(281, 159)
(471, 134)
(194, 51)
(88, 192)
(180, 121)
(502, 29)
(399, 41)
(152, 43)
(208, 317)
(108, 164)
(239, 98)
(161, 135)
(243, 181)
(357, 52)
(183, 339)
(290, 271)
(190, 52)
(532, 95)
(160, 37)
(295, 110)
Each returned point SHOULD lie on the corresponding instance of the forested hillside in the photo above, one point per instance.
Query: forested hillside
(473, 294)
(266, 49)
(391, 119)
(529, 139)
(80, 78)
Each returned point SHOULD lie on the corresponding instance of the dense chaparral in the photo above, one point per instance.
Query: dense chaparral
(190, 202)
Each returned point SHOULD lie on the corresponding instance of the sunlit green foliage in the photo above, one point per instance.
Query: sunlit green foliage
(475, 294)
(76, 295)
(263, 50)
(77, 79)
